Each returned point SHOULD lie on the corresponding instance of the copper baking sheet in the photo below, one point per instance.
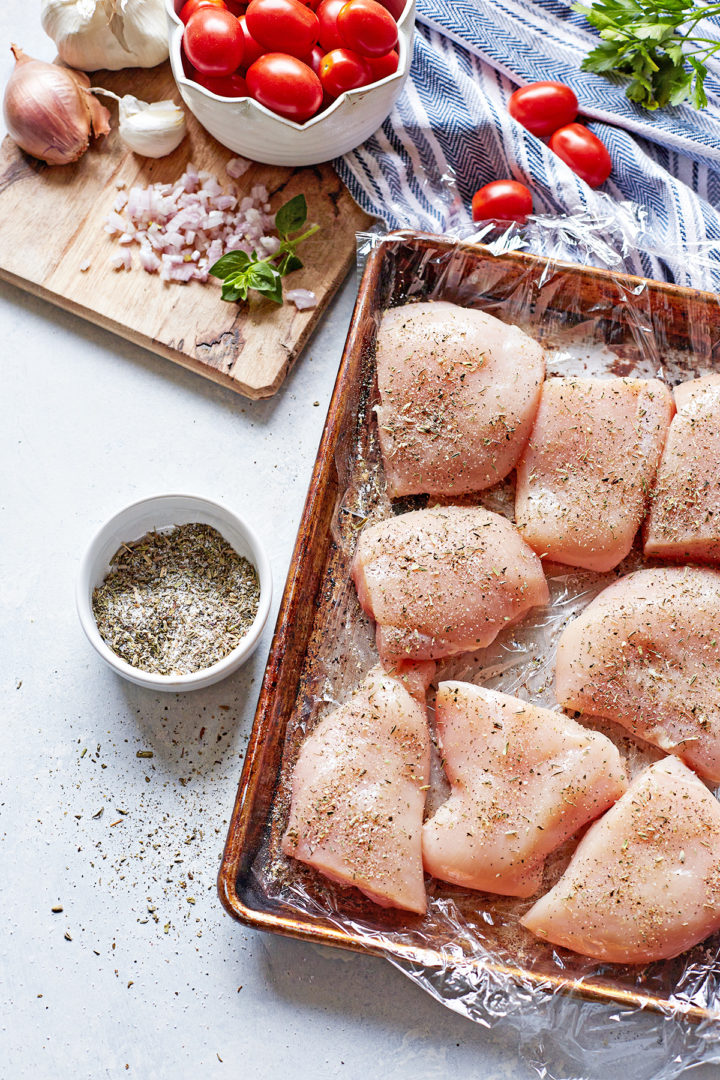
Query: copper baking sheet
(624, 314)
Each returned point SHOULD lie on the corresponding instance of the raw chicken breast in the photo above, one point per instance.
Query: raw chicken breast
(415, 676)
(583, 481)
(523, 780)
(459, 391)
(444, 581)
(684, 518)
(646, 653)
(359, 794)
(644, 882)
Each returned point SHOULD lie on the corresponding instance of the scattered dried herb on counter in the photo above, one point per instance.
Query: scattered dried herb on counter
(177, 601)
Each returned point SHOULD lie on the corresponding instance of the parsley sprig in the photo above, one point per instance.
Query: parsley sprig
(652, 43)
(241, 272)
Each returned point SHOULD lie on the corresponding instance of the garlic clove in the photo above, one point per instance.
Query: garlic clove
(151, 129)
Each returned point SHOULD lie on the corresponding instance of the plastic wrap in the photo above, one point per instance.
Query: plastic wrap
(573, 1017)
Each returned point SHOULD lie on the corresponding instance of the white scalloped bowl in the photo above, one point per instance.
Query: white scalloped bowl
(249, 129)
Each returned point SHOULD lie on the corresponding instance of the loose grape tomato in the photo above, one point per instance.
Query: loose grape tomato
(583, 152)
(502, 200)
(543, 107)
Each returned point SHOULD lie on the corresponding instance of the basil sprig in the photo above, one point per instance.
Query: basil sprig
(241, 272)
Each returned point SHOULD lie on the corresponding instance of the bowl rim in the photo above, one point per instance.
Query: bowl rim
(175, 48)
(204, 676)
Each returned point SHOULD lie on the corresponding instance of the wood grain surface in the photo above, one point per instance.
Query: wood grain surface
(51, 223)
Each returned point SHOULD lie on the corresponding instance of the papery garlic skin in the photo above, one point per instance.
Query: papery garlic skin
(152, 130)
(112, 34)
(49, 110)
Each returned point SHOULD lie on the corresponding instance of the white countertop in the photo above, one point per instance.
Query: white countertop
(132, 977)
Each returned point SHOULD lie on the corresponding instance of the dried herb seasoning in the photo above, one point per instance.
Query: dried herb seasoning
(176, 601)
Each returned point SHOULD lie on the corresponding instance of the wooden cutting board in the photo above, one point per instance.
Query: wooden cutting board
(51, 223)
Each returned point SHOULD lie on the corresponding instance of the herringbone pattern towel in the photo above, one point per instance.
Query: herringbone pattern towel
(658, 215)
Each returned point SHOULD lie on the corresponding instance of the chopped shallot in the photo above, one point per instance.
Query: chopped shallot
(302, 298)
(121, 261)
(237, 167)
(184, 228)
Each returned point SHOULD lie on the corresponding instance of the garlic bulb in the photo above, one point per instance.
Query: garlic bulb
(152, 130)
(113, 34)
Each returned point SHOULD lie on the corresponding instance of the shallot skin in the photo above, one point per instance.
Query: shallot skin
(49, 111)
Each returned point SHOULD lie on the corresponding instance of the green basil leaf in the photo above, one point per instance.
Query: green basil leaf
(260, 274)
(234, 290)
(289, 263)
(276, 293)
(265, 279)
(292, 216)
(230, 263)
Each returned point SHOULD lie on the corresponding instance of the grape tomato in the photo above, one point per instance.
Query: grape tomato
(543, 107)
(367, 28)
(343, 70)
(502, 200)
(329, 34)
(382, 66)
(232, 86)
(586, 155)
(286, 86)
(252, 51)
(395, 7)
(191, 7)
(314, 60)
(283, 26)
(213, 41)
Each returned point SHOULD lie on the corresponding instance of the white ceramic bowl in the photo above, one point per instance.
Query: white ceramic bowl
(162, 512)
(250, 129)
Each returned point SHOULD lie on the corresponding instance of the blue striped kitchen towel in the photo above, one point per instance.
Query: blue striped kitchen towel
(659, 213)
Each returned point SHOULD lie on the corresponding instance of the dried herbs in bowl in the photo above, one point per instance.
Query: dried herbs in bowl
(176, 601)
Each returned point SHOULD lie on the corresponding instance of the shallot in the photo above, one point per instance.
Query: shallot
(49, 110)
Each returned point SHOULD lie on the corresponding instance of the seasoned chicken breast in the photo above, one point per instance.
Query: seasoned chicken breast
(646, 653)
(444, 581)
(523, 780)
(644, 882)
(358, 794)
(684, 518)
(583, 482)
(459, 390)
